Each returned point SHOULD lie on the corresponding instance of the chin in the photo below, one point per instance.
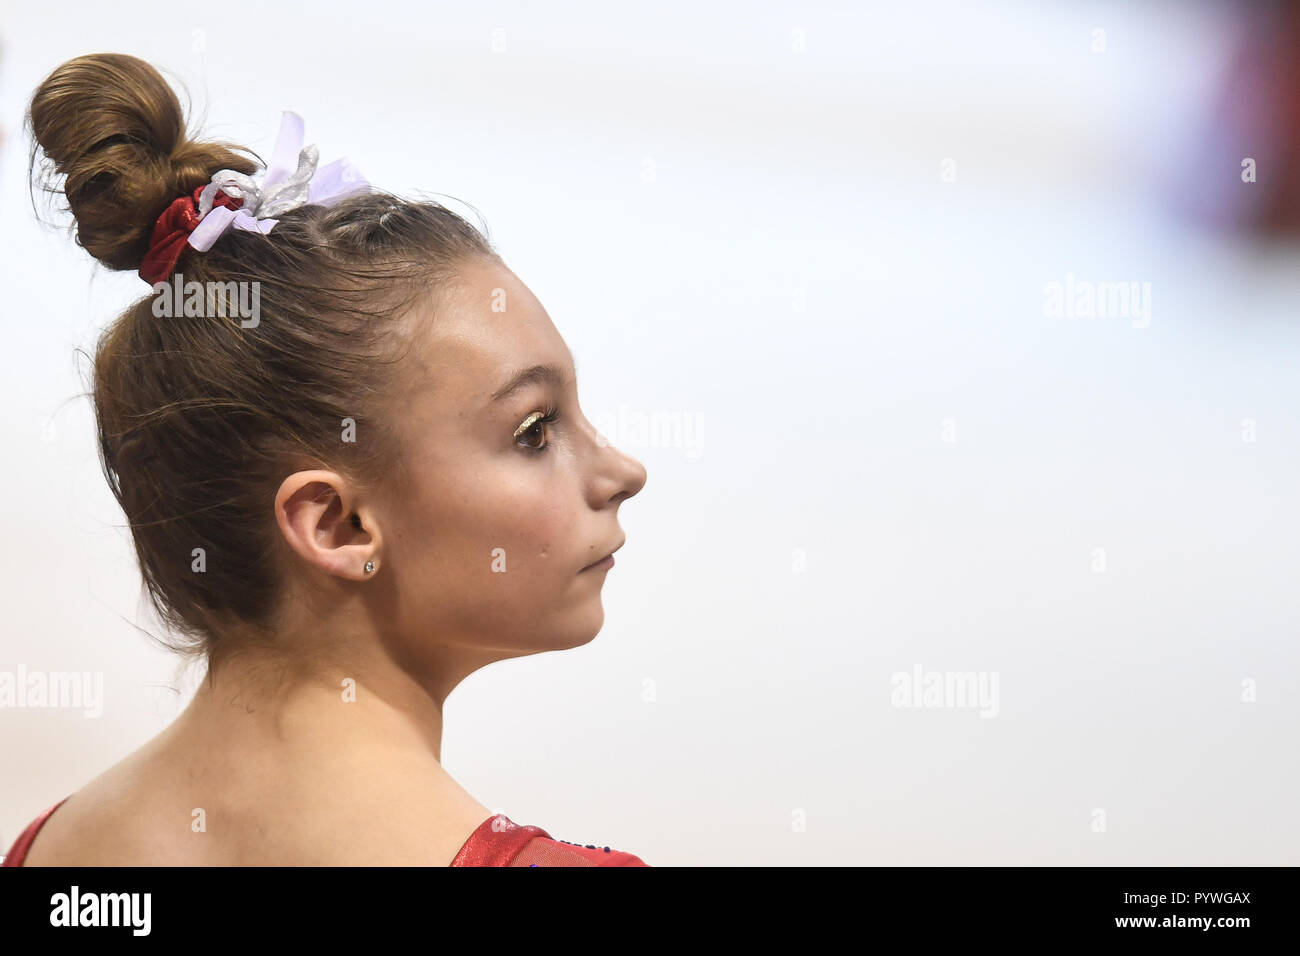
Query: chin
(562, 626)
(584, 628)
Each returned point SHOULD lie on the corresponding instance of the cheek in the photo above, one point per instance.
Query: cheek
(533, 531)
(491, 555)
(481, 527)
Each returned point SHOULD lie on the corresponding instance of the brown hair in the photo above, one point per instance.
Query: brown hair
(200, 419)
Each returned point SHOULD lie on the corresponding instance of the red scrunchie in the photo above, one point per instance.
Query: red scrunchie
(172, 231)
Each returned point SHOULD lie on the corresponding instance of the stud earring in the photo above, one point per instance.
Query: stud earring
(370, 567)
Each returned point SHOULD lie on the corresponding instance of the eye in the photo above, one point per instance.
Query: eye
(533, 426)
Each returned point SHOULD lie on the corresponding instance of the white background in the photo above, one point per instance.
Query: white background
(759, 238)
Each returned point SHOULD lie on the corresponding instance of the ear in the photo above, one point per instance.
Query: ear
(315, 511)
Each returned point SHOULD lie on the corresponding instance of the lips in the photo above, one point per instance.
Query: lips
(608, 559)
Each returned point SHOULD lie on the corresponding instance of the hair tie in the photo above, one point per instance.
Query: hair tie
(234, 199)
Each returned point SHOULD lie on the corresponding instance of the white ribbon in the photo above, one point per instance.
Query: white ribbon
(280, 191)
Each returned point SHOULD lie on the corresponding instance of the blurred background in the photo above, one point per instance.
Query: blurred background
(956, 339)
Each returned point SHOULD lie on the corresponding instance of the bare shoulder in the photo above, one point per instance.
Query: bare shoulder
(382, 818)
(108, 822)
(372, 812)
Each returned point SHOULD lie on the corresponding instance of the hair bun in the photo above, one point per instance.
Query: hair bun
(113, 128)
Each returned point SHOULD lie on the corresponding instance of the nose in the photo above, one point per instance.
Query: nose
(635, 476)
(618, 476)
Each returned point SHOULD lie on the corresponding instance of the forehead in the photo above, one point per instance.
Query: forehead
(488, 327)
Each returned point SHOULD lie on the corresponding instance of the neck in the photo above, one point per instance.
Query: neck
(323, 691)
(262, 700)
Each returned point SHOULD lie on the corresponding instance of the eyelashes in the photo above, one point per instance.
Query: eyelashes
(535, 424)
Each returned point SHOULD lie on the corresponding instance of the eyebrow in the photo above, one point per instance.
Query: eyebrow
(546, 374)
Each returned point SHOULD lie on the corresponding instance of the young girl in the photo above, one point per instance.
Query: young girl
(347, 498)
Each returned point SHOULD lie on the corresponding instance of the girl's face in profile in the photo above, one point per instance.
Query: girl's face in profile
(510, 492)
